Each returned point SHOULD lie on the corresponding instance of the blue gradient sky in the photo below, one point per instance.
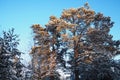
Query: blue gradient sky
(21, 14)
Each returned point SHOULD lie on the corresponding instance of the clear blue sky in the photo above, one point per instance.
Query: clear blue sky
(21, 14)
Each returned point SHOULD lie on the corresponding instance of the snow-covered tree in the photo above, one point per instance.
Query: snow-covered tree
(79, 41)
(10, 64)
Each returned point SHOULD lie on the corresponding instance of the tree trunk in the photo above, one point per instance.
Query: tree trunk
(76, 75)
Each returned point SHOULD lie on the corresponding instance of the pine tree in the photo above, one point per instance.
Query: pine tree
(43, 61)
(80, 42)
(10, 65)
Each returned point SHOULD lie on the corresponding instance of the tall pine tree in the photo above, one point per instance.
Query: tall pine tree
(80, 42)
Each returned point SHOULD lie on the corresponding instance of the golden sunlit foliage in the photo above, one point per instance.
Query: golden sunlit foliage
(79, 30)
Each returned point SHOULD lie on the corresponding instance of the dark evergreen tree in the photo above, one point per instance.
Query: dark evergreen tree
(10, 64)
